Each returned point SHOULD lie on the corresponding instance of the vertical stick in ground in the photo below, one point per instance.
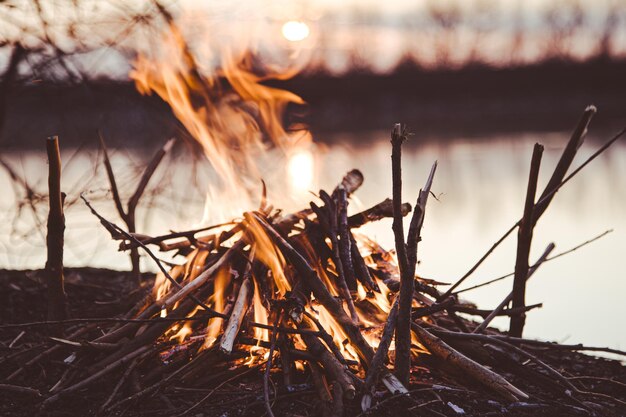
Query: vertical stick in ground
(403, 329)
(57, 300)
(524, 238)
(407, 253)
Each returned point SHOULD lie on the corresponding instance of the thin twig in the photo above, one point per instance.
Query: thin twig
(92, 378)
(539, 343)
(20, 390)
(111, 176)
(378, 362)
(509, 297)
(128, 214)
(558, 255)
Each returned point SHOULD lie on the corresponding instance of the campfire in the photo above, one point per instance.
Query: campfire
(301, 298)
(303, 295)
(285, 291)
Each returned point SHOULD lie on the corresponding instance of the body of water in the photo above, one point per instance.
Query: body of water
(480, 186)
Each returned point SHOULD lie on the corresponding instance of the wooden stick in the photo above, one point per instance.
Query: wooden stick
(20, 390)
(496, 311)
(285, 346)
(321, 385)
(407, 280)
(82, 330)
(519, 351)
(485, 313)
(407, 254)
(201, 279)
(327, 338)
(397, 137)
(524, 239)
(472, 369)
(104, 320)
(446, 304)
(417, 221)
(83, 383)
(332, 366)
(361, 269)
(377, 212)
(189, 234)
(378, 362)
(236, 317)
(531, 342)
(57, 300)
(407, 274)
(331, 227)
(345, 243)
(111, 176)
(567, 157)
(351, 182)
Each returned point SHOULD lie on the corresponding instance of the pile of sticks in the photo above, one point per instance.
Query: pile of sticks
(303, 294)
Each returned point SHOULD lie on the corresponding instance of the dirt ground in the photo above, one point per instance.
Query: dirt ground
(239, 392)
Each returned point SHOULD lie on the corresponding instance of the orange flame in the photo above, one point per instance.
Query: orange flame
(229, 112)
(216, 301)
(268, 253)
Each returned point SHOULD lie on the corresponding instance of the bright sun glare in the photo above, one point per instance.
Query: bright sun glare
(295, 31)
(300, 168)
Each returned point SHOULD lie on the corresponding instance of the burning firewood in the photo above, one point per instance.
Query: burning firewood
(266, 273)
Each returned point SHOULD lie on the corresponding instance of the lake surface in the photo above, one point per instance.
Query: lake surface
(480, 185)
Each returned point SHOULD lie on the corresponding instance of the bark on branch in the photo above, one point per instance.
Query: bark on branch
(524, 239)
(57, 300)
